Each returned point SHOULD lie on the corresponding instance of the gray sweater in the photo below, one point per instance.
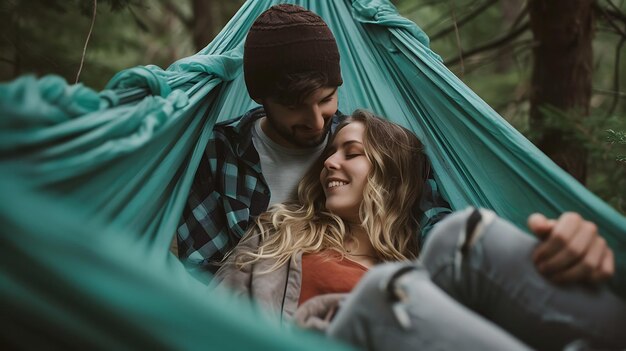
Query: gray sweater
(277, 291)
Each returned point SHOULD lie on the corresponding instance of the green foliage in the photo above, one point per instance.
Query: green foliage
(501, 76)
(604, 142)
(617, 137)
(48, 36)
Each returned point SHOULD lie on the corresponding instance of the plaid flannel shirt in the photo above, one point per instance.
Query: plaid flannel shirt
(229, 191)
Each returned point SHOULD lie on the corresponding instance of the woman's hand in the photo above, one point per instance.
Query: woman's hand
(317, 312)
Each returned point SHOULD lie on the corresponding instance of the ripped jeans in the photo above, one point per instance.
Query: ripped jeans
(476, 288)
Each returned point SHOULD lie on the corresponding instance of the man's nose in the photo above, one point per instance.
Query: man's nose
(315, 119)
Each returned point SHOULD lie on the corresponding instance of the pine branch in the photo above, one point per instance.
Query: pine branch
(494, 44)
(611, 16)
(518, 47)
(93, 21)
(443, 17)
(458, 39)
(467, 18)
(616, 14)
(520, 17)
(615, 137)
(622, 95)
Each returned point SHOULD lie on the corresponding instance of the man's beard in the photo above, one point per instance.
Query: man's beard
(290, 136)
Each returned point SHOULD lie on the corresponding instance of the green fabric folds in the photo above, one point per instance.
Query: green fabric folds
(93, 183)
(69, 282)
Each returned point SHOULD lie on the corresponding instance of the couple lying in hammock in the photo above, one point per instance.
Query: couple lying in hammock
(347, 255)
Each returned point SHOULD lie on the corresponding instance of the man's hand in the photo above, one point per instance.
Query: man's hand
(571, 250)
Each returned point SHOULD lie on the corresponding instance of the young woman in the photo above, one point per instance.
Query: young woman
(355, 209)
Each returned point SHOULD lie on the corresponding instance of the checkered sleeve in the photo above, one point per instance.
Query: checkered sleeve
(433, 208)
(204, 234)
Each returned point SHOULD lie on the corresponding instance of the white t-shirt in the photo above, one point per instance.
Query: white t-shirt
(282, 167)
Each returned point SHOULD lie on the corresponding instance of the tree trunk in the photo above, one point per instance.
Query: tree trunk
(203, 23)
(562, 73)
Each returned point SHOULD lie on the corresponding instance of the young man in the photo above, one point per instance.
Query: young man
(291, 68)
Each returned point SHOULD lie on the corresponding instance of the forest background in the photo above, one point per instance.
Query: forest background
(553, 69)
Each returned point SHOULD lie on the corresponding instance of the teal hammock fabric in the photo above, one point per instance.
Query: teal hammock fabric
(92, 184)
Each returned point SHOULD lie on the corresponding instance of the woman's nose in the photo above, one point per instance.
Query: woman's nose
(332, 162)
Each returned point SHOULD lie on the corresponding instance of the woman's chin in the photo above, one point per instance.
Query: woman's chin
(349, 214)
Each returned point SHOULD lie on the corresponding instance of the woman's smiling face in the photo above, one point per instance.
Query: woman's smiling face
(345, 172)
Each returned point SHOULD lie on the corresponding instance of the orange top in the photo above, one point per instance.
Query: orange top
(326, 272)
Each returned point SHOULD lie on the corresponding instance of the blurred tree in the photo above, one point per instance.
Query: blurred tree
(206, 19)
(488, 43)
(513, 11)
(203, 24)
(45, 36)
(562, 75)
(493, 49)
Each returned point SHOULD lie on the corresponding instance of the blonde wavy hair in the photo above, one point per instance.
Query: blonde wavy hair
(387, 213)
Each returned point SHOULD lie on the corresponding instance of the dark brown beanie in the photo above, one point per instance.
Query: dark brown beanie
(288, 39)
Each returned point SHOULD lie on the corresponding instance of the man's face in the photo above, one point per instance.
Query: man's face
(301, 126)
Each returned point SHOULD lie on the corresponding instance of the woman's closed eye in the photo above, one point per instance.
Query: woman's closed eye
(353, 155)
(353, 150)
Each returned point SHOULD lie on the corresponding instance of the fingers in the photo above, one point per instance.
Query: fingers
(550, 253)
(588, 268)
(572, 250)
(540, 225)
(606, 269)
(609, 265)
